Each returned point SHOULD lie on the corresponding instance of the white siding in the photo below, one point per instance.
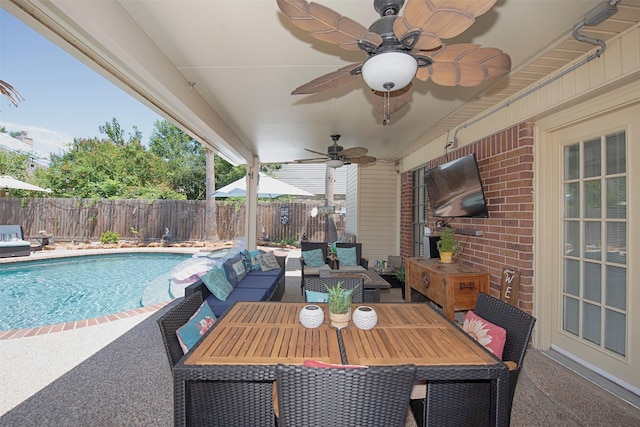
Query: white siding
(310, 177)
(378, 211)
(351, 224)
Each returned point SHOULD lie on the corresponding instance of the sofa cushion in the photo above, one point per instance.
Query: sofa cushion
(268, 261)
(232, 267)
(491, 336)
(347, 256)
(267, 283)
(239, 294)
(315, 271)
(246, 260)
(313, 258)
(216, 281)
(189, 333)
(314, 296)
(255, 265)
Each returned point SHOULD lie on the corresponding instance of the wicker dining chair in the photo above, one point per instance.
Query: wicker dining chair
(215, 403)
(320, 284)
(455, 403)
(371, 396)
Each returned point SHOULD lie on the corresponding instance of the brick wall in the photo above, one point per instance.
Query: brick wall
(506, 169)
(406, 182)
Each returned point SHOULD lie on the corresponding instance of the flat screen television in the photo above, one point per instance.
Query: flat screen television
(454, 189)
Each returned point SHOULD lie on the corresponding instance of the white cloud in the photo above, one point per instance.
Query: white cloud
(44, 140)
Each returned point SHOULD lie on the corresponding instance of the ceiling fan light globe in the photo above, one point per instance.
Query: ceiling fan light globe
(389, 71)
(335, 163)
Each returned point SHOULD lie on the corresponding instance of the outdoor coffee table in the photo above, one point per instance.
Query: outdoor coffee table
(251, 338)
(373, 282)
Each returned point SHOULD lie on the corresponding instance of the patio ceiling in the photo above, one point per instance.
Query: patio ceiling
(224, 70)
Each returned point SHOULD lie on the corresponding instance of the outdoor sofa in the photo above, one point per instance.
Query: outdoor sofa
(12, 243)
(257, 284)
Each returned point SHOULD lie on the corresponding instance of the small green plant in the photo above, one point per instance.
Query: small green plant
(399, 273)
(137, 232)
(448, 242)
(109, 237)
(339, 298)
(332, 249)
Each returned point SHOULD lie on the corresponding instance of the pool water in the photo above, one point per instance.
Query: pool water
(38, 293)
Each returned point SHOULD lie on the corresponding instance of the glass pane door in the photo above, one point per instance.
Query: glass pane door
(594, 288)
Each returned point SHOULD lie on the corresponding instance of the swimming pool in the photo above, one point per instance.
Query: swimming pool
(47, 292)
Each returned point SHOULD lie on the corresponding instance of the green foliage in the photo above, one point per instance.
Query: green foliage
(17, 166)
(448, 242)
(185, 159)
(400, 273)
(339, 298)
(11, 133)
(108, 168)
(137, 233)
(109, 237)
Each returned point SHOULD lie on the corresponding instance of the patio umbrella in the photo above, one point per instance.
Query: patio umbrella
(267, 187)
(9, 182)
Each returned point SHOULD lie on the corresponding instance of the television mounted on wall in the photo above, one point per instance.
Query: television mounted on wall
(454, 189)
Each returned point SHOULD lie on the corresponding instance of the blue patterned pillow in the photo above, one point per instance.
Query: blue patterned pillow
(255, 265)
(231, 270)
(347, 256)
(246, 260)
(313, 258)
(189, 333)
(216, 281)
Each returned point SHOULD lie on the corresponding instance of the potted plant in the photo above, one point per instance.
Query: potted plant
(339, 305)
(447, 245)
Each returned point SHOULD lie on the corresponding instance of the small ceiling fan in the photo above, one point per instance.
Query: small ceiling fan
(400, 48)
(338, 156)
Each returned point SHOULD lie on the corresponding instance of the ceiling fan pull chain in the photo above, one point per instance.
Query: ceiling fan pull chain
(386, 108)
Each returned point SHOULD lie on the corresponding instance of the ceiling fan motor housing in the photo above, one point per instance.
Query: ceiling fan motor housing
(387, 7)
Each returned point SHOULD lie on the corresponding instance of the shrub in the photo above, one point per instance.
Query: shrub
(109, 237)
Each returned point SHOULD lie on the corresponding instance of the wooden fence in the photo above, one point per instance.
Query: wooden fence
(84, 220)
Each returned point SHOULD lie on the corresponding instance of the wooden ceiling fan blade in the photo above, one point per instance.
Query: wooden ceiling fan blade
(333, 80)
(397, 99)
(465, 65)
(364, 160)
(316, 152)
(311, 160)
(326, 24)
(354, 152)
(438, 20)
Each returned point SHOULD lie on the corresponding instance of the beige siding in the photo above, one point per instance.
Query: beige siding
(378, 201)
(619, 64)
(351, 225)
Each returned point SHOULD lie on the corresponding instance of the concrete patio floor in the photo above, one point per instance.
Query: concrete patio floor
(117, 374)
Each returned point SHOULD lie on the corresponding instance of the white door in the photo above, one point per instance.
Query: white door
(596, 296)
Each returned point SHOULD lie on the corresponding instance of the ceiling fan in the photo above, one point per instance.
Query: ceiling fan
(338, 156)
(400, 48)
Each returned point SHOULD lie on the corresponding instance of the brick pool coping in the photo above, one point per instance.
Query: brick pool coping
(77, 324)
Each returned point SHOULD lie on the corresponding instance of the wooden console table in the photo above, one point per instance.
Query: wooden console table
(452, 286)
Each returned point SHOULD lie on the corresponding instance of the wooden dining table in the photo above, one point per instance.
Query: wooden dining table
(251, 338)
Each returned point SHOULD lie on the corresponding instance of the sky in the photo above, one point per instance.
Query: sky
(64, 99)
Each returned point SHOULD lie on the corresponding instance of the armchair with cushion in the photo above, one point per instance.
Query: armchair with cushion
(468, 403)
(313, 259)
(319, 285)
(346, 259)
(220, 403)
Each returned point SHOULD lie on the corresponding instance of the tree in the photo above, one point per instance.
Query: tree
(104, 168)
(184, 156)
